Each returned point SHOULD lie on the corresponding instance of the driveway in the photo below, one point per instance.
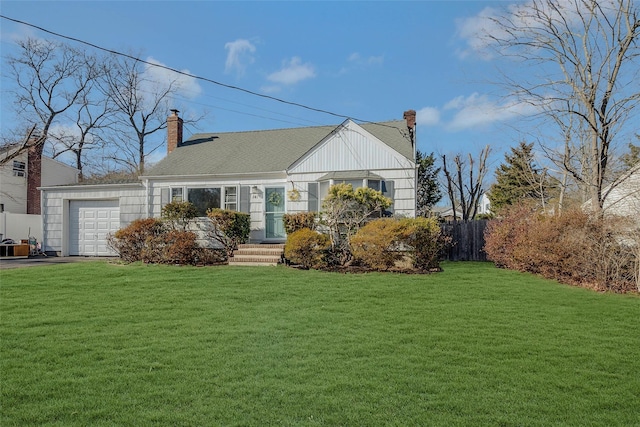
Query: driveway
(8, 263)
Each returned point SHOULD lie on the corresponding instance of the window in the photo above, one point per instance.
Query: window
(204, 199)
(176, 194)
(374, 184)
(19, 168)
(231, 198)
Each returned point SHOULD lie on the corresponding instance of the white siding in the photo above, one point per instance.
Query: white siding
(624, 198)
(56, 173)
(256, 201)
(351, 148)
(55, 209)
(13, 189)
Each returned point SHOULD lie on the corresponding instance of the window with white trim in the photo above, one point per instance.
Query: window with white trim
(231, 198)
(204, 199)
(19, 168)
(176, 194)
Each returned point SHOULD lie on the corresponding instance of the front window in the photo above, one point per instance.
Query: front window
(176, 194)
(204, 199)
(231, 198)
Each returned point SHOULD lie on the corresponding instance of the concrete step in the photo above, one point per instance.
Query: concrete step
(257, 254)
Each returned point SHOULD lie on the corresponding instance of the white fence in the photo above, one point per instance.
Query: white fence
(20, 226)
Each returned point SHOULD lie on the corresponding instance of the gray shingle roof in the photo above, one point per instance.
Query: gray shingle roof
(262, 151)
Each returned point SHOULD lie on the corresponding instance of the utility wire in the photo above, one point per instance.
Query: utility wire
(250, 92)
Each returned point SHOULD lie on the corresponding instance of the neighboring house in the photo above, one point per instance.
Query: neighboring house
(484, 205)
(445, 213)
(21, 177)
(263, 173)
(623, 196)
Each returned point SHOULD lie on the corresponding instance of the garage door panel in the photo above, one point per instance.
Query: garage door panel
(90, 223)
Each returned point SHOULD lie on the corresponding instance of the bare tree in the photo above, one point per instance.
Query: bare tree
(588, 54)
(50, 77)
(93, 116)
(142, 107)
(465, 180)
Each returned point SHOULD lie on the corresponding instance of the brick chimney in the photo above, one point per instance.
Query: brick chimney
(410, 117)
(174, 131)
(34, 178)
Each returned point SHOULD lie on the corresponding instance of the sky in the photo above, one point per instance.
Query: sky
(368, 60)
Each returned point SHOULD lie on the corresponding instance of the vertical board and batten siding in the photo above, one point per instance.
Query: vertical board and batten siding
(350, 149)
(56, 202)
(403, 183)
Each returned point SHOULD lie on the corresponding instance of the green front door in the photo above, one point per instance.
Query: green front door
(274, 209)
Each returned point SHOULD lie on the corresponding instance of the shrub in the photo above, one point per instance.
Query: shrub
(376, 245)
(171, 247)
(307, 248)
(425, 242)
(229, 228)
(573, 248)
(178, 215)
(298, 221)
(130, 241)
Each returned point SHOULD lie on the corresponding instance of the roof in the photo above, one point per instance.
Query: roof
(263, 151)
(347, 175)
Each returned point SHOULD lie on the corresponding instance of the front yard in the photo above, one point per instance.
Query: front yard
(106, 344)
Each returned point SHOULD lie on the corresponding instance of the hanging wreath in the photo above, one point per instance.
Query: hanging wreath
(294, 195)
(275, 198)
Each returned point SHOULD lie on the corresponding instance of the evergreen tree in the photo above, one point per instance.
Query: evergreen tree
(518, 178)
(428, 192)
(631, 158)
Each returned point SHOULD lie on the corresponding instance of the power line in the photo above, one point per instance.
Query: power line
(250, 92)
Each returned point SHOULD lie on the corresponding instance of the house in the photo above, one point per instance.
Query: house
(21, 176)
(264, 173)
(20, 202)
(623, 196)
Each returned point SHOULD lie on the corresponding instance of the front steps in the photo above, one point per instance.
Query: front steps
(257, 254)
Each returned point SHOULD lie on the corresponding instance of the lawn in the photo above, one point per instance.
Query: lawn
(106, 344)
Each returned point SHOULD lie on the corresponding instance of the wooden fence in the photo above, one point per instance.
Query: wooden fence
(467, 240)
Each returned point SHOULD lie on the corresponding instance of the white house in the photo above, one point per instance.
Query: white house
(623, 196)
(264, 173)
(20, 179)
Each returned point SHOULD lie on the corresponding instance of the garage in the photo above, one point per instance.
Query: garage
(90, 223)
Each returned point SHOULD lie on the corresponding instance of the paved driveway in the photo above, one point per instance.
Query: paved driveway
(7, 263)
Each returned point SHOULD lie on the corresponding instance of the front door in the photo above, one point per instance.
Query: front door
(274, 209)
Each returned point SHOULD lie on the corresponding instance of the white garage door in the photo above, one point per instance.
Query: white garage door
(90, 222)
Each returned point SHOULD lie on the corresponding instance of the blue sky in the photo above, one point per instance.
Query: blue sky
(367, 60)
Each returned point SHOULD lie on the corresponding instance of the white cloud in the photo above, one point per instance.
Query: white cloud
(427, 116)
(356, 58)
(239, 55)
(185, 85)
(479, 31)
(478, 111)
(292, 72)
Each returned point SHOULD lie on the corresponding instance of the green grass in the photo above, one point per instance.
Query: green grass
(102, 344)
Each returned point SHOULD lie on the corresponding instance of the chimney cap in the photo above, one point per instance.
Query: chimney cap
(174, 111)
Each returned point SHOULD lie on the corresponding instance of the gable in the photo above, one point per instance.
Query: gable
(351, 147)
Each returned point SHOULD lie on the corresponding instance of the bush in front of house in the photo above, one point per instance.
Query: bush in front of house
(229, 228)
(378, 244)
(425, 242)
(171, 247)
(178, 215)
(129, 242)
(307, 248)
(573, 247)
(298, 221)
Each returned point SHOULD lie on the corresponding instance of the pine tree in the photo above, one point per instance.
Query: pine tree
(518, 178)
(428, 191)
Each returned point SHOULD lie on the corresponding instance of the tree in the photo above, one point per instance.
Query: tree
(632, 157)
(345, 210)
(519, 178)
(50, 78)
(428, 189)
(465, 182)
(141, 105)
(587, 52)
